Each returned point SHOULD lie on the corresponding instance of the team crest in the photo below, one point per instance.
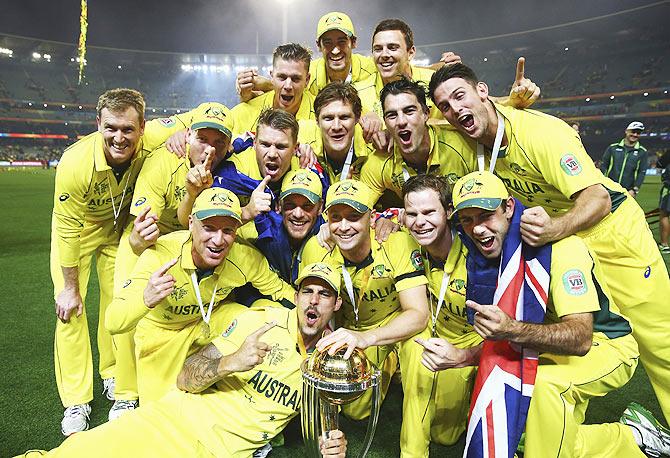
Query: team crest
(378, 271)
(470, 186)
(452, 178)
(574, 282)
(417, 259)
(178, 292)
(334, 19)
(347, 189)
(221, 198)
(571, 165)
(301, 178)
(516, 168)
(458, 286)
(231, 327)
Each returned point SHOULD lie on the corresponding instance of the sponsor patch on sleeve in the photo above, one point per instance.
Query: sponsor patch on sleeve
(571, 165)
(574, 282)
(231, 327)
(417, 260)
(167, 122)
(140, 201)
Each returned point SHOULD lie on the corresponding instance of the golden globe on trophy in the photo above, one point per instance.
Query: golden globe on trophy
(329, 382)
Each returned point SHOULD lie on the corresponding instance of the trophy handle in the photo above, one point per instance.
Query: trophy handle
(310, 419)
(374, 414)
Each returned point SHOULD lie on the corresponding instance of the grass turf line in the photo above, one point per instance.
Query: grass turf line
(30, 410)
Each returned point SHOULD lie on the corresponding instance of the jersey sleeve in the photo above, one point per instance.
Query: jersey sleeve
(372, 174)
(157, 131)
(70, 208)
(151, 184)
(237, 330)
(571, 286)
(127, 307)
(407, 261)
(258, 272)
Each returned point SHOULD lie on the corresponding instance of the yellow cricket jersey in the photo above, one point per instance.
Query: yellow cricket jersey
(451, 155)
(362, 67)
(361, 151)
(452, 321)
(245, 114)
(245, 410)
(88, 192)
(370, 88)
(575, 287)
(391, 266)
(545, 162)
(162, 185)
(244, 264)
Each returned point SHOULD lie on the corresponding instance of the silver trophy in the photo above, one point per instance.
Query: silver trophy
(329, 382)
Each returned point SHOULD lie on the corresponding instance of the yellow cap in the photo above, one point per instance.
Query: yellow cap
(213, 115)
(354, 193)
(335, 21)
(479, 190)
(303, 182)
(322, 271)
(217, 202)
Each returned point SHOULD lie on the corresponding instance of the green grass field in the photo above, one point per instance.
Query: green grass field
(30, 410)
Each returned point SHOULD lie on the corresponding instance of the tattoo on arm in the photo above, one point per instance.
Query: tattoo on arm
(200, 370)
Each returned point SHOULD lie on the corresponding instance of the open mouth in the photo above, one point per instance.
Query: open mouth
(311, 316)
(487, 242)
(272, 168)
(467, 121)
(387, 65)
(215, 251)
(405, 136)
(119, 148)
(286, 99)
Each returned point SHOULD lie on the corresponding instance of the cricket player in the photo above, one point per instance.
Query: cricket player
(385, 302)
(543, 163)
(626, 161)
(417, 146)
(427, 211)
(94, 186)
(237, 392)
(174, 297)
(585, 345)
(160, 187)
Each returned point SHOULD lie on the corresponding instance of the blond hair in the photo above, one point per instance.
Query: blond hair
(120, 99)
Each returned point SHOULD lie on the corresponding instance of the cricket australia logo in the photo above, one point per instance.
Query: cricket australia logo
(457, 286)
(334, 19)
(517, 169)
(179, 292)
(346, 189)
(301, 178)
(101, 188)
(471, 186)
(379, 271)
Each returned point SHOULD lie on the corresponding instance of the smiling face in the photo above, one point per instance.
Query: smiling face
(391, 55)
(121, 132)
(299, 215)
(350, 229)
(486, 228)
(465, 107)
(426, 218)
(289, 79)
(212, 239)
(274, 151)
(337, 122)
(632, 136)
(406, 119)
(200, 139)
(336, 47)
(317, 302)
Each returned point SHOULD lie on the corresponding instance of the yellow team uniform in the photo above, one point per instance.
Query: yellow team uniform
(545, 164)
(233, 418)
(168, 333)
(245, 114)
(564, 384)
(360, 154)
(450, 390)
(392, 266)
(370, 88)
(451, 155)
(87, 195)
(362, 67)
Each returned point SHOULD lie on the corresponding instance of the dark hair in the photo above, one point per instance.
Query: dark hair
(120, 99)
(343, 92)
(451, 71)
(439, 184)
(405, 86)
(280, 120)
(292, 52)
(395, 24)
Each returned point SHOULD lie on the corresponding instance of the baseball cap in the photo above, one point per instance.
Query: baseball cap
(217, 202)
(479, 190)
(213, 115)
(635, 125)
(322, 271)
(354, 193)
(303, 182)
(335, 21)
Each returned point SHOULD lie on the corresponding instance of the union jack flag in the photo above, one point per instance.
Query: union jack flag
(506, 374)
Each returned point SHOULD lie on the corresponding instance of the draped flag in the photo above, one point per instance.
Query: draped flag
(83, 28)
(518, 283)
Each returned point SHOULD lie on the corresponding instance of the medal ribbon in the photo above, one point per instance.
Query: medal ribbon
(349, 285)
(123, 195)
(496, 146)
(208, 314)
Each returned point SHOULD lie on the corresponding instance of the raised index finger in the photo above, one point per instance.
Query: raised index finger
(167, 266)
(263, 329)
(261, 186)
(209, 160)
(520, 64)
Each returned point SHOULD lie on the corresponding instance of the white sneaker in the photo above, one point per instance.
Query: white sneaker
(120, 407)
(652, 438)
(108, 388)
(263, 451)
(75, 419)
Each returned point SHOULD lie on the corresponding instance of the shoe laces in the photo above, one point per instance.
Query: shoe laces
(73, 411)
(124, 405)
